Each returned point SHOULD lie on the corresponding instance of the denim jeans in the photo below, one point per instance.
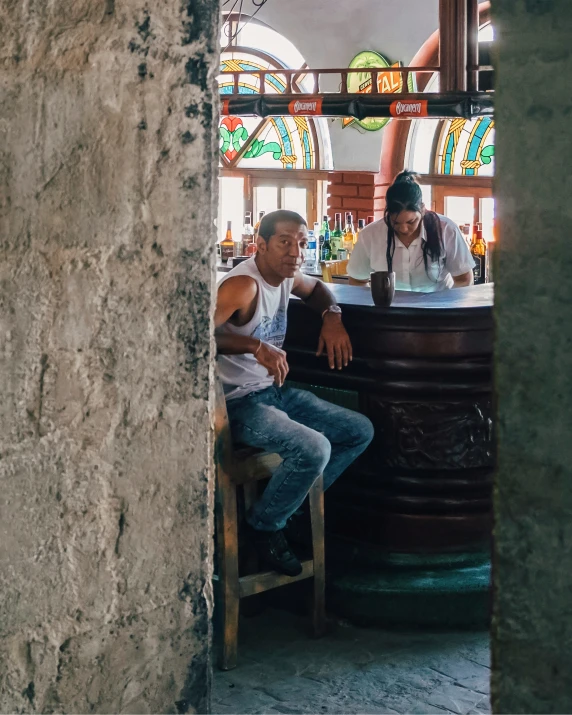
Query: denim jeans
(311, 435)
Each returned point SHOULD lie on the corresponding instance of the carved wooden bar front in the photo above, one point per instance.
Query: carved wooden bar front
(422, 373)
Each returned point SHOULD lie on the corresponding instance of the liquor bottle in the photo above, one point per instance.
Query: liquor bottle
(318, 238)
(479, 253)
(337, 237)
(248, 242)
(317, 230)
(349, 234)
(310, 260)
(227, 244)
(370, 219)
(238, 246)
(260, 217)
(360, 228)
(325, 227)
(326, 250)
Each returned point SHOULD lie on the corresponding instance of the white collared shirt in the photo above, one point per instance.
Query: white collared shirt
(369, 255)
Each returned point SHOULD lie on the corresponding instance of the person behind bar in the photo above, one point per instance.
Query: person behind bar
(312, 436)
(426, 250)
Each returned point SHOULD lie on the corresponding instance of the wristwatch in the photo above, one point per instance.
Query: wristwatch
(332, 309)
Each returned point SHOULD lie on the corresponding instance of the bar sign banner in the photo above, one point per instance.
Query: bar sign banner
(404, 109)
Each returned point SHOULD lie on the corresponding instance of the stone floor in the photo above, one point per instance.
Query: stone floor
(353, 670)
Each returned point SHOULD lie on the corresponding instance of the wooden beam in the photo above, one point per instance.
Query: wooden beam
(472, 45)
(453, 45)
(446, 30)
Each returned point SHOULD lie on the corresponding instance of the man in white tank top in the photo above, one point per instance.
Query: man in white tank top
(312, 436)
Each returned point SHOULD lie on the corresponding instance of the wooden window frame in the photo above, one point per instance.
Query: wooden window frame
(282, 178)
(441, 190)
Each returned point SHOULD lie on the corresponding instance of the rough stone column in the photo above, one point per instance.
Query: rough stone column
(107, 199)
(532, 633)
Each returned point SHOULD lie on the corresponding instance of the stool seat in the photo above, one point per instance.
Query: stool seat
(252, 465)
(244, 468)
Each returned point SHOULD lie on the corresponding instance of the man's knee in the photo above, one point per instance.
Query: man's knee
(362, 430)
(315, 453)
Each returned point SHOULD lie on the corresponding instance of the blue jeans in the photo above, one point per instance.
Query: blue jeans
(311, 435)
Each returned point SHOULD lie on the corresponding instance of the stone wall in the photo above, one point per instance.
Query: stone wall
(107, 198)
(532, 633)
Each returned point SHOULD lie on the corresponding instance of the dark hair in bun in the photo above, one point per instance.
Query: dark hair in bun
(405, 195)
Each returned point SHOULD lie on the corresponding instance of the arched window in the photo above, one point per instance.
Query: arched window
(271, 163)
(272, 143)
(466, 147)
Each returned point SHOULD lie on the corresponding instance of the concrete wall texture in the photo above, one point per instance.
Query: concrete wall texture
(107, 199)
(532, 633)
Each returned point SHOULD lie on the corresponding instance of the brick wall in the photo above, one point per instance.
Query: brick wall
(351, 191)
(380, 187)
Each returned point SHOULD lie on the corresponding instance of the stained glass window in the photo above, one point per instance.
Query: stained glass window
(272, 143)
(467, 147)
(249, 84)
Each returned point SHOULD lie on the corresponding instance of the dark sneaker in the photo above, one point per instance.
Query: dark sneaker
(298, 530)
(275, 552)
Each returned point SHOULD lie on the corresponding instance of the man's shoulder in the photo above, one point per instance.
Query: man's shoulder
(240, 284)
(238, 281)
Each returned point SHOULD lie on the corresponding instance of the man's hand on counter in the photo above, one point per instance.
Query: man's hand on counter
(335, 341)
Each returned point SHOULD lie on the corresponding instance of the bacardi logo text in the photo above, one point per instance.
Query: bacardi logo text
(307, 107)
(409, 109)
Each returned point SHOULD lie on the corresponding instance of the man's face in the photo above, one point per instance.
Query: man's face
(286, 248)
(406, 223)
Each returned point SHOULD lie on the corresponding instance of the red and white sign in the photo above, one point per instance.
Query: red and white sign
(401, 109)
(305, 107)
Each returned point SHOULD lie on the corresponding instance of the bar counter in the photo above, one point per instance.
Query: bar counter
(421, 372)
(409, 525)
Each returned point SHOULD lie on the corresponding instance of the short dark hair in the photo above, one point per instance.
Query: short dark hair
(267, 226)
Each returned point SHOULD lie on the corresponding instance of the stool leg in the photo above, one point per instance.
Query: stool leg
(317, 518)
(250, 497)
(227, 539)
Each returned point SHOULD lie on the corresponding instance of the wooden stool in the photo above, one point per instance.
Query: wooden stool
(246, 467)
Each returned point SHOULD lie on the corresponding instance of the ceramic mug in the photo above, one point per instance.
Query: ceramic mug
(383, 287)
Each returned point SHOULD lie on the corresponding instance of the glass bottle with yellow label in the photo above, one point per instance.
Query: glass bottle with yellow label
(227, 244)
(479, 253)
(349, 234)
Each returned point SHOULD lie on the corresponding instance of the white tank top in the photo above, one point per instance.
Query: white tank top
(242, 374)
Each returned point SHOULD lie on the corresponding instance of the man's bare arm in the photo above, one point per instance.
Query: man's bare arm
(314, 292)
(235, 297)
(334, 339)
